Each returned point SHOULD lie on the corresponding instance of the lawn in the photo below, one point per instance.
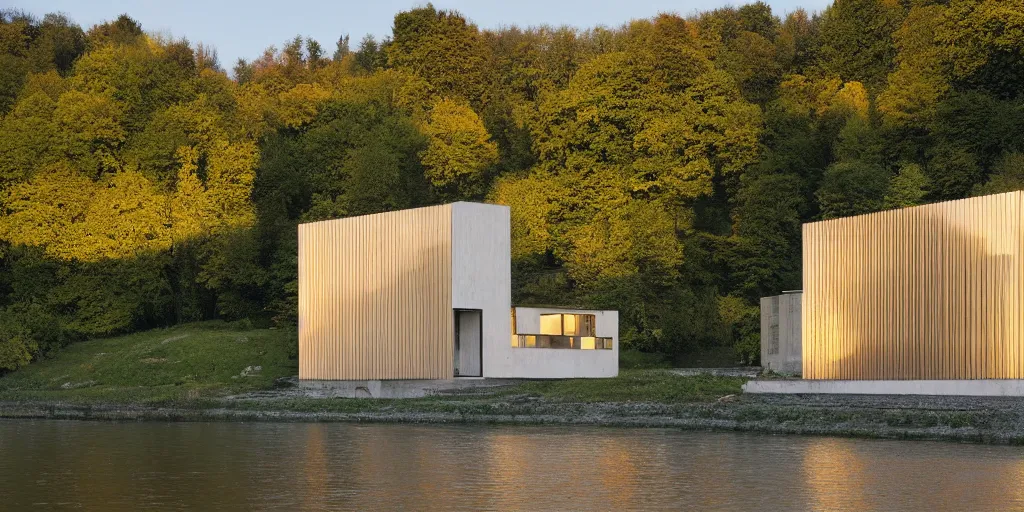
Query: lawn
(198, 364)
(181, 363)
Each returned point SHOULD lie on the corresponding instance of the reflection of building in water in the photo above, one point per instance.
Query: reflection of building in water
(930, 292)
(834, 475)
(315, 470)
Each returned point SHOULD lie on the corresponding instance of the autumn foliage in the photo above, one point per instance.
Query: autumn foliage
(662, 168)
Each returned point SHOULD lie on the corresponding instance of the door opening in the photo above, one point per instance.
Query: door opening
(469, 353)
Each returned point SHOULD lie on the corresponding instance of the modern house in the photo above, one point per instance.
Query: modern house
(928, 299)
(426, 294)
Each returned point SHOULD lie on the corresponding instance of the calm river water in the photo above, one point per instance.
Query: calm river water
(48, 465)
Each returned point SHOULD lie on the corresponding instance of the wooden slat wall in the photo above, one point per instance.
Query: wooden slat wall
(375, 297)
(930, 292)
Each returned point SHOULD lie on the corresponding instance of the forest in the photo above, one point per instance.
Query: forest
(661, 168)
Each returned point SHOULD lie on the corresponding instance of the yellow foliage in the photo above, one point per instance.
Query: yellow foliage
(618, 241)
(851, 99)
(126, 217)
(459, 150)
(76, 218)
(917, 84)
(49, 83)
(42, 210)
(231, 171)
(299, 105)
(189, 204)
(92, 118)
(531, 201)
(799, 94)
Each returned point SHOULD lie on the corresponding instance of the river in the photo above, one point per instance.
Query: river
(47, 465)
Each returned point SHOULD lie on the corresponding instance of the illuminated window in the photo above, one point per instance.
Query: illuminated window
(563, 331)
(567, 324)
(551, 325)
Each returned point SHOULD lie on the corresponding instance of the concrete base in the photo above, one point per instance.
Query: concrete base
(399, 388)
(990, 387)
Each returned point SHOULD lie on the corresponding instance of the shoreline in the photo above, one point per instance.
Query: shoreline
(769, 417)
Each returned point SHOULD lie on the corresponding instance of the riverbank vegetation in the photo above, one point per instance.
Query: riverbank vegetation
(196, 365)
(661, 168)
(175, 365)
(235, 372)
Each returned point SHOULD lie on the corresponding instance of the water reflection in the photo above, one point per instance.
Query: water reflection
(130, 466)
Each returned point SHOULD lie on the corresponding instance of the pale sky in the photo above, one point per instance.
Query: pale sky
(244, 28)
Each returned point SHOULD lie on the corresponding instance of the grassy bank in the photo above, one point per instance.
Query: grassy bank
(174, 365)
(204, 363)
(217, 371)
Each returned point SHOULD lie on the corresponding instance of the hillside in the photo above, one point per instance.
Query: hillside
(661, 168)
(186, 362)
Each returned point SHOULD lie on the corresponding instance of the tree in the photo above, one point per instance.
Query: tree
(1007, 176)
(852, 188)
(122, 31)
(953, 171)
(856, 39)
(908, 188)
(984, 43)
(369, 56)
(459, 150)
(341, 48)
(442, 48)
(662, 168)
(918, 83)
(767, 222)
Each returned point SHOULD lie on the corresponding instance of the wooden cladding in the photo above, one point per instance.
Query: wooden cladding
(375, 296)
(929, 292)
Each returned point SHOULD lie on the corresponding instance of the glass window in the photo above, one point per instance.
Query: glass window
(524, 340)
(551, 325)
(570, 325)
(563, 331)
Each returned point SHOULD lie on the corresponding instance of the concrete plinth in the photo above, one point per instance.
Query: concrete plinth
(987, 387)
(399, 388)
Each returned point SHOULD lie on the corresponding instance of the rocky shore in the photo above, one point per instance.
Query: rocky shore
(977, 420)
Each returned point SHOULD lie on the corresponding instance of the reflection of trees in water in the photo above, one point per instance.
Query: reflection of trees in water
(932, 292)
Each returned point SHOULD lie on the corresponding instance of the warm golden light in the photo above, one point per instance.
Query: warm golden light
(569, 325)
(551, 325)
(588, 343)
(929, 292)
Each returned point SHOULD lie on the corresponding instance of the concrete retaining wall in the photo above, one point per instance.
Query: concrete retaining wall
(397, 388)
(988, 387)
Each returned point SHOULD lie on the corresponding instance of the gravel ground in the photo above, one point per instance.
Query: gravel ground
(747, 371)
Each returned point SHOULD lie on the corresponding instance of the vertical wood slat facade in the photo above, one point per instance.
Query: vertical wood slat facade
(375, 296)
(929, 292)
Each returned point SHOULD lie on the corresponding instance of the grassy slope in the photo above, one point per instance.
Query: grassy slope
(198, 363)
(193, 367)
(162, 365)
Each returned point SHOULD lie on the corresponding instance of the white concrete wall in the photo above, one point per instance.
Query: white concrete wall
(981, 387)
(482, 273)
(781, 347)
(553, 363)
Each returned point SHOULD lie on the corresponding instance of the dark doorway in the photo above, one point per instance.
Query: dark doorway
(469, 352)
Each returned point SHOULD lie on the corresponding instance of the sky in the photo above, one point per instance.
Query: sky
(245, 28)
